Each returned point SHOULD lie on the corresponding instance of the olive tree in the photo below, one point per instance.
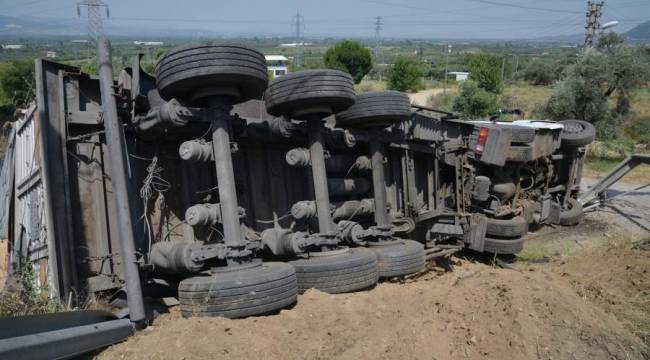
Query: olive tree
(595, 78)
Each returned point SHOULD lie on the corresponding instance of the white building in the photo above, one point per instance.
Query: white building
(50, 54)
(276, 65)
(460, 75)
(295, 44)
(149, 43)
(12, 46)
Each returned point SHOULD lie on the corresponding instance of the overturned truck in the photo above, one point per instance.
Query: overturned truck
(233, 194)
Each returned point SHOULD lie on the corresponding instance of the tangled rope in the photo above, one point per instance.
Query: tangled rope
(152, 183)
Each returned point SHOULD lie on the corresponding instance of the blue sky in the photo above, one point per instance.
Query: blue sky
(351, 18)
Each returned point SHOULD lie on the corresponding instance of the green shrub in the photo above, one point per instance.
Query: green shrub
(474, 102)
(404, 75)
(539, 73)
(351, 57)
(22, 296)
(485, 70)
(17, 83)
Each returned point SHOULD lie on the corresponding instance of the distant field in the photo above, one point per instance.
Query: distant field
(526, 97)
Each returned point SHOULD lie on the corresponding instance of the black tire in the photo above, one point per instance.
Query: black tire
(577, 133)
(376, 109)
(573, 215)
(292, 94)
(259, 290)
(520, 153)
(503, 246)
(186, 71)
(401, 258)
(510, 228)
(353, 270)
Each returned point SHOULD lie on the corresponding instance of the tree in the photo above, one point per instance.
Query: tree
(597, 76)
(539, 73)
(17, 83)
(485, 70)
(609, 42)
(351, 57)
(474, 102)
(404, 75)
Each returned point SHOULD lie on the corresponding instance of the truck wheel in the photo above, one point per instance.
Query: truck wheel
(503, 246)
(399, 258)
(320, 91)
(259, 290)
(520, 153)
(187, 72)
(577, 133)
(515, 227)
(375, 109)
(573, 215)
(353, 270)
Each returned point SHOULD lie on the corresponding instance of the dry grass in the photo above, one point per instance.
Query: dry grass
(528, 98)
(370, 85)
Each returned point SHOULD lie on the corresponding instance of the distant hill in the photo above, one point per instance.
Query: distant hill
(639, 33)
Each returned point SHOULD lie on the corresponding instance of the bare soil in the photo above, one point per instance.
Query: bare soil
(579, 293)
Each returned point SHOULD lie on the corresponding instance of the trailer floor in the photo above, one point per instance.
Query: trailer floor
(582, 293)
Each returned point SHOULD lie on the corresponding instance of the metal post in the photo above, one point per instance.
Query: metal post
(378, 182)
(117, 158)
(226, 181)
(319, 175)
(444, 86)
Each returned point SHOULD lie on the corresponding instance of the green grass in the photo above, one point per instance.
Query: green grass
(535, 253)
(597, 167)
(600, 166)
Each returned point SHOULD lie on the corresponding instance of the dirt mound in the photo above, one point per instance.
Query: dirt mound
(583, 294)
(475, 312)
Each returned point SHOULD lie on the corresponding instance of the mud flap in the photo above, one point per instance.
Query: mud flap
(475, 237)
(546, 209)
(554, 215)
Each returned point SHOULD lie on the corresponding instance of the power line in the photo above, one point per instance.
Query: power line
(496, 3)
(23, 5)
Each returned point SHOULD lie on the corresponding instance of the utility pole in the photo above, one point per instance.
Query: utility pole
(299, 23)
(503, 68)
(378, 28)
(95, 26)
(444, 86)
(594, 12)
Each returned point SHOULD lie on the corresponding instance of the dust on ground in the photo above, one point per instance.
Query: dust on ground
(578, 293)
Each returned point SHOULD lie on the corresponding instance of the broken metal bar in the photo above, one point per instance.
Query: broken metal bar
(65, 343)
(610, 179)
(118, 163)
